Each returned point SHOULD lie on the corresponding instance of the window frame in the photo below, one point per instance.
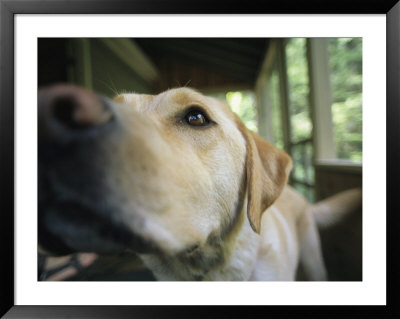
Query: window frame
(320, 98)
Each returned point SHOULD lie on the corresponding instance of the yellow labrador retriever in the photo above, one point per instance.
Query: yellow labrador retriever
(176, 178)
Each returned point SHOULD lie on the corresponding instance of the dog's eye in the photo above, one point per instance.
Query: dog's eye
(196, 118)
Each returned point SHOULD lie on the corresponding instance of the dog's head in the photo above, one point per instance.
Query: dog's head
(147, 173)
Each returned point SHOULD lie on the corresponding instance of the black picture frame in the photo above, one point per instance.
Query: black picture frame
(8, 10)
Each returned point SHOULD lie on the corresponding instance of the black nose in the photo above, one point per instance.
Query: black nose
(68, 112)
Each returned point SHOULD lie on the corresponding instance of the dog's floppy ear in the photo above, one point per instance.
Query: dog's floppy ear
(267, 170)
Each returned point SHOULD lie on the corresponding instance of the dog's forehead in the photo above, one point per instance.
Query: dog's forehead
(184, 96)
(176, 99)
(173, 100)
(173, 97)
(136, 100)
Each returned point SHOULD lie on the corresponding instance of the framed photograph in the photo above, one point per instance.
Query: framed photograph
(92, 44)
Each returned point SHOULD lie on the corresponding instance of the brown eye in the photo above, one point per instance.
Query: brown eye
(196, 118)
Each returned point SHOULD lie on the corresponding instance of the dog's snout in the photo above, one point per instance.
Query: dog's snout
(67, 111)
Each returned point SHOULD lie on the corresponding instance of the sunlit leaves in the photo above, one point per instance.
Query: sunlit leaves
(346, 78)
(243, 104)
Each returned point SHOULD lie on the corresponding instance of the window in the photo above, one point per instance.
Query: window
(346, 80)
(314, 102)
(301, 147)
(276, 114)
(243, 104)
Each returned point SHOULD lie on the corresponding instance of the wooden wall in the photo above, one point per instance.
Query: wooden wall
(176, 73)
(333, 178)
(342, 243)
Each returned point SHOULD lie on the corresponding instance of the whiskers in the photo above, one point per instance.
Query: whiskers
(111, 87)
(187, 83)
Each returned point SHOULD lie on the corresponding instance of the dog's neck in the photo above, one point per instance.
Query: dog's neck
(231, 257)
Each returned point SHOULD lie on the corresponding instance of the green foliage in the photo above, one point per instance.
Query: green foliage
(243, 104)
(302, 155)
(276, 110)
(299, 105)
(346, 78)
(300, 117)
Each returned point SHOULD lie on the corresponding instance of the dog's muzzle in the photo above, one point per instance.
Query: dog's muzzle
(68, 114)
(74, 126)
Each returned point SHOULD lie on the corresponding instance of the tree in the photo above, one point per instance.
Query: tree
(346, 79)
